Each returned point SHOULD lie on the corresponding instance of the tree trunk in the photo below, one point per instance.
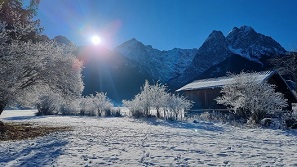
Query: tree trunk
(158, 113)
(2, 106)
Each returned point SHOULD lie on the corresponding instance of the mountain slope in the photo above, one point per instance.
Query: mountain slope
(235, 64)
(163, 65)
(107, 71)
(244, 42)
(213, 51)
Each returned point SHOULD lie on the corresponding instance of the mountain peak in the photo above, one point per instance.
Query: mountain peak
(62, 40)
(246, 42)
(216, 39)
(132, 41)
(246, 29)
(242, 32)
(215, 35)
(131, 44)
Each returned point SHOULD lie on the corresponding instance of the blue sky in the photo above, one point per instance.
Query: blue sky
(166, 24)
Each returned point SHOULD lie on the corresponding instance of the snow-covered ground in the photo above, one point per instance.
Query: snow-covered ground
(128, 142)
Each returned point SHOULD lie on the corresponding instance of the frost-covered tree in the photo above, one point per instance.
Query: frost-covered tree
(151, 96)
(17, 17)
(49, 104)
(30, 68)
(178, 105)
(156, 97)
(144, 98)
(250, 98)
(27, 66)
(87, 106)
(71, 108)
(97, 105)
(286, 65)
(102, 103)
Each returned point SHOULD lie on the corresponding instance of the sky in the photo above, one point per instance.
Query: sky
(166, 24)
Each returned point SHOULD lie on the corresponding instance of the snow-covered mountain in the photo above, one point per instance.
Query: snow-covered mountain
(243, 41)
(213, 51)
(246, 42)
(163, 65)
(121, 72)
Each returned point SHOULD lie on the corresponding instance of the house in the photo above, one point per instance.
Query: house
(204, 92)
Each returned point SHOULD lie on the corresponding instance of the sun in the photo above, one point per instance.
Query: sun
(96, 40)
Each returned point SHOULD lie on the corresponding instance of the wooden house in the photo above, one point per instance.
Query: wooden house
(204, 92)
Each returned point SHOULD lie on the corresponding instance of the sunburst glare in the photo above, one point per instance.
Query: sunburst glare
(96, 40)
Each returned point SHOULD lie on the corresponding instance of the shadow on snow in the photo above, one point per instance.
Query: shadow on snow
(208, 126)
(20, 118)
(36, 153)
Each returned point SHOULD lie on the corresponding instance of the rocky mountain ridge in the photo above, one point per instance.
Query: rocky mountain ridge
(122, 71)
(243, 41)
(164, 65)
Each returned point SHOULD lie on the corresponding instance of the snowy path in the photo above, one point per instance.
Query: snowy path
(129, 142)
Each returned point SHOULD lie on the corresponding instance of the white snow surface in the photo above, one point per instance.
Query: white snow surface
(129, 142)
(221, 81)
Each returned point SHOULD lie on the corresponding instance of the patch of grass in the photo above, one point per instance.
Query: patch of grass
(21, 131)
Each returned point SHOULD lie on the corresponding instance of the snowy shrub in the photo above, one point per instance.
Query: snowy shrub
(291, 122)
(273, 123)
(177, 105)
(205, 116)
(113, 113)
(285, 120)
(155, 97)
(116, 113)
(98, 105)
(159, 96)
(71, 108)
(251, 99)
(48, 105)
(266, 122)
(133, 108)
(87, 106)
(55, 104)
(216, 116)
(102, 104)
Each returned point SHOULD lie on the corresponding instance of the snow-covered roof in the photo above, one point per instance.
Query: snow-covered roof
(221, 81)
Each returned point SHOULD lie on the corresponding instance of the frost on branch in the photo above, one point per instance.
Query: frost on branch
(156, 98)
(28, 67)
(251, 99)
(31, 69)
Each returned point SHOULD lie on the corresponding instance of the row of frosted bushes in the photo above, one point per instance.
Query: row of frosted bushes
(98, 105)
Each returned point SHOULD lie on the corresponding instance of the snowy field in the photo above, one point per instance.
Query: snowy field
(128, 142)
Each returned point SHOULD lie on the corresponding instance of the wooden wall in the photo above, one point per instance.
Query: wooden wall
(283, 88)
(204, 98)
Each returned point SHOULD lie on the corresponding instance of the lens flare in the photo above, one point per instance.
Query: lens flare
(96, 40)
